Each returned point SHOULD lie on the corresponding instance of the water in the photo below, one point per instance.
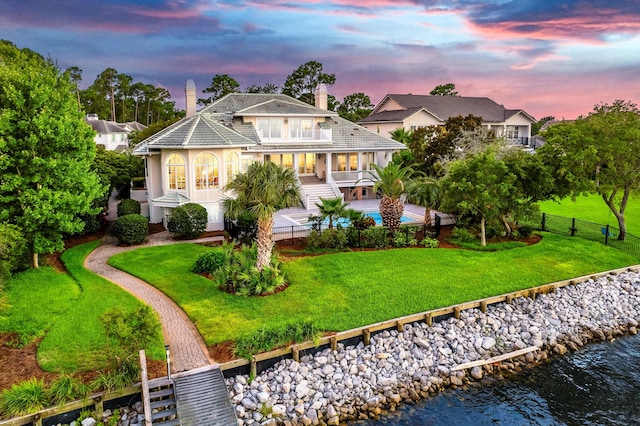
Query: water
(598, 385)
(375, 215)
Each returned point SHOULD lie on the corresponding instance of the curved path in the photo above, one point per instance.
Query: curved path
(188, 350)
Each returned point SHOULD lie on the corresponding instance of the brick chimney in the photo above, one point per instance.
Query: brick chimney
(190, 97)
(321, 96)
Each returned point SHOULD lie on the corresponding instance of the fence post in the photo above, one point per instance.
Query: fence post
(291, 234)
(606, 235)
(573, 227)
(543, 225)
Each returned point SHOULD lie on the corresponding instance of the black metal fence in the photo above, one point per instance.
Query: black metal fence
(606, 234)
(293, 232)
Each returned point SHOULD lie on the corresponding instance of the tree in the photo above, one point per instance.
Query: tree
(46, 151)
(435, 146)
(597, 154)
(302, 83)
(535, 127)
(355, 106)
(448, 89)
(106, 82)
(425, 192)
(263, 189)
(75, 75)
(332, 209)
(221, 85)
(391, 182)
(477, 186)
(268, 88)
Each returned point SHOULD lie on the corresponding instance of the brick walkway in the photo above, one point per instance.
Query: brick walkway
(188, 350)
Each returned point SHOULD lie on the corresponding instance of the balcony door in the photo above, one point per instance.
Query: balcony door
(307, 164)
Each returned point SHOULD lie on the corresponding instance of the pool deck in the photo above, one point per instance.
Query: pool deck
(282, 218)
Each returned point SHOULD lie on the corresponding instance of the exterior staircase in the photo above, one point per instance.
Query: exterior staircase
(164, 411)
(314, 188)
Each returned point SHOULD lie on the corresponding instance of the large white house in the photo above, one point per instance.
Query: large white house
(414, 111)
(113, 136)
(193, 159)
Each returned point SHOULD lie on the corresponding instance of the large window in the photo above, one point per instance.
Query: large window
(344, 162)
(284, 160)
(206, 171)
(367, 159)
(301, 128)
(270, 128)
(306, 164)
(175, 172)
(511, 132)
(232, 163)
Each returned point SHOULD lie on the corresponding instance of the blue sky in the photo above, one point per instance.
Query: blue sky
(547, 57)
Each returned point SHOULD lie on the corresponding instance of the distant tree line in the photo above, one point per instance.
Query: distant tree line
(116, 97)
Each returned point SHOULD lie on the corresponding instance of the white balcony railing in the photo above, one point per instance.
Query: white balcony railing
(296, 136)
(353, 176)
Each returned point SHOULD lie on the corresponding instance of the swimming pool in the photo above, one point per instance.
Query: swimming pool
(406, 218)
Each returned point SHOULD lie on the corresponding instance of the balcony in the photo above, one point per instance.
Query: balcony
(517, 141)
(296, 136)
(353, 176)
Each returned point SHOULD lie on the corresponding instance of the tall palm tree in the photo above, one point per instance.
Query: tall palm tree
(391, 182)
(332, 208)
(425, 192)
(263, 189)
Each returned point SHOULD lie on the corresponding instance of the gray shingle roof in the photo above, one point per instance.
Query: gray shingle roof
(104, 127)
(220, 125)
(443, 108)
(201, 130)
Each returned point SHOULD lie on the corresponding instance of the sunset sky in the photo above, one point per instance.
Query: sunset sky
(547, 57)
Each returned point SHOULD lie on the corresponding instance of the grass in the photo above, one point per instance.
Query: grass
(593, 209)
(64, 310)
(346, 290)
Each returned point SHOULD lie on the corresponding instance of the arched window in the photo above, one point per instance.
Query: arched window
(175, 172)
(206, 171)
(233, 165)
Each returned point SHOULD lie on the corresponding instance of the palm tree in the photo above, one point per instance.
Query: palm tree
(332, 209)
(391, 182)
(263, 189)
(425, 192)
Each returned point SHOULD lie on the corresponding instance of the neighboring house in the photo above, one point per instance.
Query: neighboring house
(113, 136)
(415, 111)
(193, 159)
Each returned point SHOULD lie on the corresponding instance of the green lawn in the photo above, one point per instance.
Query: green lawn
(592, 208)
(346, 290)
(64, 310)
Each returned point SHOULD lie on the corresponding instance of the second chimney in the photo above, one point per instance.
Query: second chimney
(321, 96)
(190, 97)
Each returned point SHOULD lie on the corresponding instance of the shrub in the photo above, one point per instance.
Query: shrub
(462, 235)
(210, 261)
(67, 388)
(429, 242)
(374, 237)
(128, 206)
(363, 222)
(401, 239)
(188, 221)
(265, 339)
(128, 332)
(138, 182)
(23, 398)
(329, 238)
(525, 231)
(247, 227)
(13, 251)
(125, 373)
(240, 275)
(132, 229)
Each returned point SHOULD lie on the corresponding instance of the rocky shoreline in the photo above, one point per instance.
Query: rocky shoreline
(359, 382)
